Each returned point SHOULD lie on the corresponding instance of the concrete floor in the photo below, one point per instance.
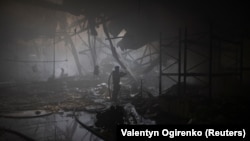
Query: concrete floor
(55, 98)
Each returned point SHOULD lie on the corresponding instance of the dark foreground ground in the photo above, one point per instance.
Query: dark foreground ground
(82, 110)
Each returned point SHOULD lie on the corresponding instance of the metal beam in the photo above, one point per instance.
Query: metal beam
(160, 64)
(73, 49)
(144, 53)
(115, 55)
(118, 37)
(210, 60)
(179, 64)
(202, 74)
(241, 61)
(170, 65)
(185, 60)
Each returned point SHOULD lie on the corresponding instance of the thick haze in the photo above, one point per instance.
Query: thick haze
(28, 27)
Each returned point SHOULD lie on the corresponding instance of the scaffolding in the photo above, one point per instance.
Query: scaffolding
(212, 52)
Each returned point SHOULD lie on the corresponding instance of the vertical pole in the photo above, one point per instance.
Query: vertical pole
(220, 55)
(179, 64)
(90, 47)
(160, 64)
(241, 60)
(54, 56)
(185, 61)
(210, 60)
(141, 87)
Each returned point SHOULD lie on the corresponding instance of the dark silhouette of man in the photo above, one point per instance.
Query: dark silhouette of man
(116, 75)
(96, 70)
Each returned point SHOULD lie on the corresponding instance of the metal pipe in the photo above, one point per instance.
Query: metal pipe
(185, 60)
(160, 64)
(179, 64)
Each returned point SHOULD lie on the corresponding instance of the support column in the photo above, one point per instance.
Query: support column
(210, 60)
(160, 64)
(185, 61)
(179, 64)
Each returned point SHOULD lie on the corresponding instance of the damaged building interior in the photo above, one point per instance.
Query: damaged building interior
(74, 69)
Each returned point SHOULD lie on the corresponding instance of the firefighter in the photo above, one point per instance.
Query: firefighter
(116, 75)
(96, 73)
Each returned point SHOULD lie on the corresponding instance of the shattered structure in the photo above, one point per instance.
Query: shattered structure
(185, 63)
